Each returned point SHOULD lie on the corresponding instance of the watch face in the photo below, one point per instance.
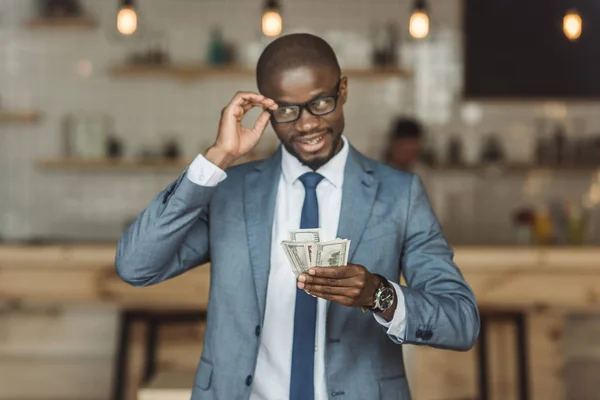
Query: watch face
(386, 298)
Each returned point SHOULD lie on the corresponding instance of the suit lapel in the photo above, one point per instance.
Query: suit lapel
(260, 192)
(358, 195)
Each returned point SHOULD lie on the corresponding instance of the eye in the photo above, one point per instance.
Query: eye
(286, 110)
(322, 104)
(286, 113)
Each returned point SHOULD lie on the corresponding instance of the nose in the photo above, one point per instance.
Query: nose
(307, 122)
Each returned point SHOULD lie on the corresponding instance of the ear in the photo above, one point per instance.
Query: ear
(344, 89)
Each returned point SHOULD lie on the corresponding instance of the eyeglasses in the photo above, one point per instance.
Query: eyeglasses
(317, 107)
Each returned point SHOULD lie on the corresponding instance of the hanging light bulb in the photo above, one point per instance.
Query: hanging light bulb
(127, 20)
(271, 20)
(572, 25)
(419, 21)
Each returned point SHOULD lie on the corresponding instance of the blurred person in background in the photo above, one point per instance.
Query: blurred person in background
(406, 151)
(330, 331)
(405, 143)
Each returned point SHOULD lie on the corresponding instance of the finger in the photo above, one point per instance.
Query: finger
(269, 103)
(334, 272)
(261, 122)
(248, 105)
(351, 292)
(237, 112)
(240, 97)
(344, 282)
(236, 106)
(346, 301)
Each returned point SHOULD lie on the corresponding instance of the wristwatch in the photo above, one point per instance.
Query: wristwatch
(384, 296)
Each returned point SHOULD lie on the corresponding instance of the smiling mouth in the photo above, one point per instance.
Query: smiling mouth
(311, 144)
(313, 141)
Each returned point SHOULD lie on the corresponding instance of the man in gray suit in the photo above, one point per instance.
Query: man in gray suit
(332, 333)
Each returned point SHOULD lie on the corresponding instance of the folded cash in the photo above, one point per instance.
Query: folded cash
(305, 250)
(305, 235)
(297, 254)
(330, 254)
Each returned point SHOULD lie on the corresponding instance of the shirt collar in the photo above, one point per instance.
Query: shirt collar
(333, 171)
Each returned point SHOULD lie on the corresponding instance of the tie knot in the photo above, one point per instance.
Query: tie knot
(310, 180)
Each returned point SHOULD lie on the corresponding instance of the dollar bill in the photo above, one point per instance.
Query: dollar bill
(297, 254)
(305, 250)
(330, 254)
(305, 235)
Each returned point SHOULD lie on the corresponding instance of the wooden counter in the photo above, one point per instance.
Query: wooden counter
(544, 283)
(503, 277)
(85, 274)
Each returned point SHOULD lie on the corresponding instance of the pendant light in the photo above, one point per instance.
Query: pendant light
(419, 20)
(572, 25)
(271, 20)
(127, 19)
(127, 24)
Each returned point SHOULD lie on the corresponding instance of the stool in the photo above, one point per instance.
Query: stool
(153, 321)
(522, 368)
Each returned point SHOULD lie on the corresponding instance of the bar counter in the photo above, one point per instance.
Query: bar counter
(539, 285)
(505, 277)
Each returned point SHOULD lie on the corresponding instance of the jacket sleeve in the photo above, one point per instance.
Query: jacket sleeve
(441, 310)
(169, 237)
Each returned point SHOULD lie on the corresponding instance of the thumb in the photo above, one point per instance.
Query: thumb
(261, 122)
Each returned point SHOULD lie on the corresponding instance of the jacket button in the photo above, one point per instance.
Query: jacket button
(257, 331)
(249, 380)
(419, 334)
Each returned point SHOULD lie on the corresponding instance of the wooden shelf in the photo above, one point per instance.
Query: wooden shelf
(19, 116)
(158, 165)
(512, 168)
(176, 71)
(124, 165)
(376, 73)
(69, 23)
(197, 71)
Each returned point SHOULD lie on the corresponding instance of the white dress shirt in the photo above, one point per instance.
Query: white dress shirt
(273, 369)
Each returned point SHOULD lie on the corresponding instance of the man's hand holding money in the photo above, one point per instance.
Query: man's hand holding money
(322, 270)
(351, 285)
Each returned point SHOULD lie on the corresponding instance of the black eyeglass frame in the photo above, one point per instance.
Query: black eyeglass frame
(304, 106)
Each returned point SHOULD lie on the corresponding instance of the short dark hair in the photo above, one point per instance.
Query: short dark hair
(404, 127)
(293, 51)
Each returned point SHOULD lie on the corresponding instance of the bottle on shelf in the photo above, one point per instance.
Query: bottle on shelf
(454, 156)
(217, 49)
(576, 226)
(523, 219)
(542, 227)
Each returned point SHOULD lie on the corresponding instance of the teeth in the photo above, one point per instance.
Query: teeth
(314, 141)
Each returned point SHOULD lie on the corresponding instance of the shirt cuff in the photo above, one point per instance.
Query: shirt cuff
(204, 173)
(397, 326)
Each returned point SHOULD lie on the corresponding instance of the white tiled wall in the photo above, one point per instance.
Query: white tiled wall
(39, 69)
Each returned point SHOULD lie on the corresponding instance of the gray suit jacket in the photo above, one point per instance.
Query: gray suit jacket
(384, 212)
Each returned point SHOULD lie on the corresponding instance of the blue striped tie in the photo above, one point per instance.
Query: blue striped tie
(302, 385)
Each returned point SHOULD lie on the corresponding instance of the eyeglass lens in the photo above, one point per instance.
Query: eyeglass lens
(317, 107)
